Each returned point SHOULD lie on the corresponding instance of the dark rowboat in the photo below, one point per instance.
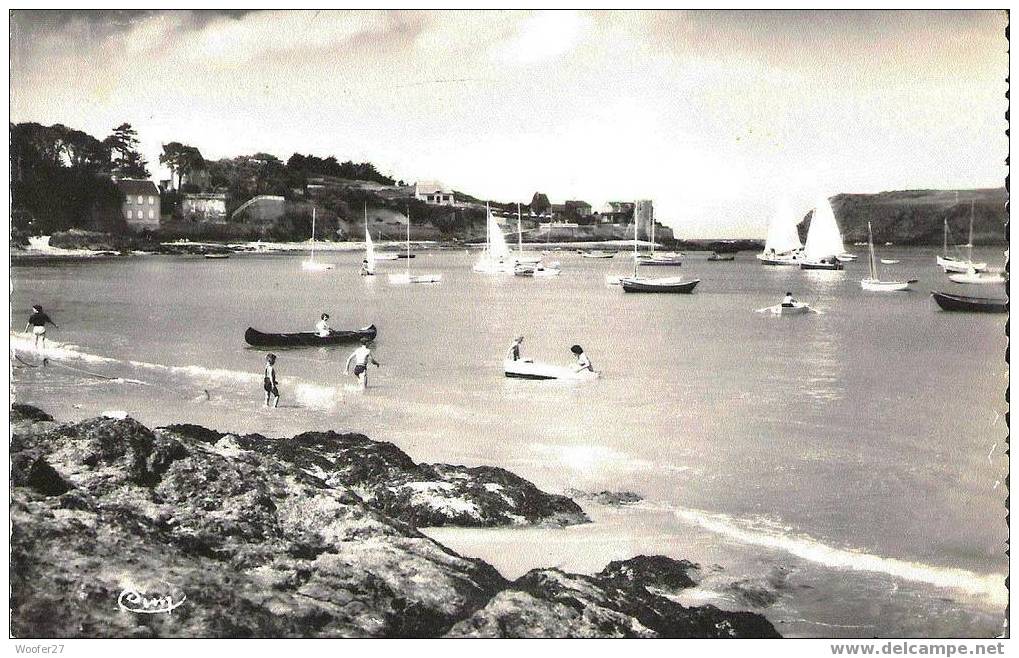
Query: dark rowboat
(672, 284)
(256, 338)
(949, 302)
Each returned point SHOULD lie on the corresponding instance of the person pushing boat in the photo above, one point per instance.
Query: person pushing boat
(322, 327)
(37, 325)
(513, 354)
(269, 381)
(361, 357)
(583, 362)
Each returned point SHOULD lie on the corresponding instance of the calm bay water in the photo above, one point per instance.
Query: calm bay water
(860, 451)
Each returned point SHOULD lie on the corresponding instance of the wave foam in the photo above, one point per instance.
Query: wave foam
(988, 586)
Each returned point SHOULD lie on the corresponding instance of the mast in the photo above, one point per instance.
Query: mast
(408, 242)
(969, 243)
(520, 232)
(652, 232)
(636, 254)
(870, 245)
(313, 232)
(944, 251)
(488, 229)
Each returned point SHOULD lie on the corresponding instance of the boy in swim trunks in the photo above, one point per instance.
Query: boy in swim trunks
(269, 381)
(361, 357)
(37, 321)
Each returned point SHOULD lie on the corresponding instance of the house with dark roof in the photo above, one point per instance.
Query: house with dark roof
(140, 208)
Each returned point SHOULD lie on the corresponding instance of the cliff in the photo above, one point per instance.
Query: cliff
(916, 217)
(243, 536)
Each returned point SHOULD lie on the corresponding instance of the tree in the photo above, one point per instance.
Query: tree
(126, 161)
(181, 159)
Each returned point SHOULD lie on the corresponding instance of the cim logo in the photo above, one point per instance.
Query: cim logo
(131, 600)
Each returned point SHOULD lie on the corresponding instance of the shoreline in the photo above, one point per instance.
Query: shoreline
(275, 518)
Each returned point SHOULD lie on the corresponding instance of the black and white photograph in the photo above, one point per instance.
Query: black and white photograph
(509, 323)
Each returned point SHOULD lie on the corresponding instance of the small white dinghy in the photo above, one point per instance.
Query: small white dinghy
(406, 277)
(974, 277)
(527, 369)
(797, 308)
(888, 261)
(872, 283)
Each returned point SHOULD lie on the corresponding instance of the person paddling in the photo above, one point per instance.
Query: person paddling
(37, 322)
(788, 301)
(361, 357)
(269, 382)
(583, 363)
(322, 327)
(513, 354)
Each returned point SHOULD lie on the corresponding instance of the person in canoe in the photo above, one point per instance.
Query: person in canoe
(788, 301)
(583, 363)
(513, 354)
(269, 381)
(361, 357)
(322, 327)
(37, 324)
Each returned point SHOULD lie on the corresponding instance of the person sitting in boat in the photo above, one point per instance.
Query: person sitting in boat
(38, 321)
(269, 381)
(365, 270)
(361, 357)
(322, 326)
(514, 351)
(788, 301)
(583, 363)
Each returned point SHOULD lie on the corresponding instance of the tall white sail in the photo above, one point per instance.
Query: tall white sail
(782, 234)
(497, 247)
(369, 248)
(823, 239)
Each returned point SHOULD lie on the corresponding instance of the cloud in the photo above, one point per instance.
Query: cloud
(542, 36)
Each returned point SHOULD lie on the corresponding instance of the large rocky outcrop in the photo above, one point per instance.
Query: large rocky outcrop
(421, 494)
(621, 601)
(252, 540)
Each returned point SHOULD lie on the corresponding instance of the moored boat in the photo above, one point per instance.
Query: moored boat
(597, 254)
(527, 369)
(258, 338)
(950, 302)
(782, 247)
(715, 256)
(674, 284)
(873, 283)
(974, 277)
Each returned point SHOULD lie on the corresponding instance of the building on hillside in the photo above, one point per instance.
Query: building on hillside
(434, 193)
(618, 212)
(577, 210)
(644, 214)
(198, 178)
(141, 203)
(209, 207)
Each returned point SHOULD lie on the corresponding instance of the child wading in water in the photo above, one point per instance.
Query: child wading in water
(269, 382)
(361, 357)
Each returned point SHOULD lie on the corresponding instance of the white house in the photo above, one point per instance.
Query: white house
(141, 203)
(433, 192)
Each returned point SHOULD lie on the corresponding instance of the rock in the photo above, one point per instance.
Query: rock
(655, 573)
(760, 592)
(611, 498)
(258, 547)
(422, 495)
(26, 412)
(553, 604)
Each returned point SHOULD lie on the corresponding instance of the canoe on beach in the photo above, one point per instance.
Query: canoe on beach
(257, 338)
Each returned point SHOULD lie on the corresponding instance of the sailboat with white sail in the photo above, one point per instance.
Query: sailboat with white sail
(407, 277)
(873, 282)
(311, 264)
(824, 240)
(521, 255)
(496, 258)
(368, 267)
(955, 264)
(782, 246)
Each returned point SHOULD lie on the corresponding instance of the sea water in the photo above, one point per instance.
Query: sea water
(849, 462)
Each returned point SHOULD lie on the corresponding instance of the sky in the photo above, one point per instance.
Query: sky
(716, 116)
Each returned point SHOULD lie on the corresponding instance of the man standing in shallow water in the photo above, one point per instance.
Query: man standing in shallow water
(361, 357)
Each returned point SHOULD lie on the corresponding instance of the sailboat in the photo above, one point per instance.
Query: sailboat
(311, 264)
(496, 258)
(406, 277)
(955, 264)
(872, 282)
(782, 246)
(522, 257)
(668, 259)
(635, 283)
(824, 241)
(368, 267)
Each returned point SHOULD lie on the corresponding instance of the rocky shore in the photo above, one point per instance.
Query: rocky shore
(310, 536)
